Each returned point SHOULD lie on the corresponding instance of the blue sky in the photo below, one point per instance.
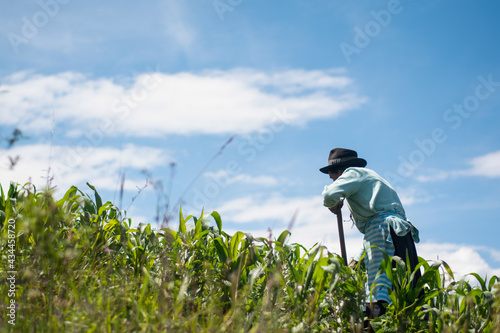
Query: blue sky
(124, 90)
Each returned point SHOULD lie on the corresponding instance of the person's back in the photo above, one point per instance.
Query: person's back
(367, 194)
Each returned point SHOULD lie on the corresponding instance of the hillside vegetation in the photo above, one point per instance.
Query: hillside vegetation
(79, 265)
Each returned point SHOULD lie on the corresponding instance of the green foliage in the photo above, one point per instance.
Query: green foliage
(81, 266)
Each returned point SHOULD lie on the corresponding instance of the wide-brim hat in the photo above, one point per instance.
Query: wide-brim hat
(341, 157)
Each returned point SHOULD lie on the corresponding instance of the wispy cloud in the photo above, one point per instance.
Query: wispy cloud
(68, 165)
(256, 180)
(274, 207)
(412, 195)
(487, 165)
(436, 175)
(156, 104)
(178, 27)
(484, 166)
(226, 178)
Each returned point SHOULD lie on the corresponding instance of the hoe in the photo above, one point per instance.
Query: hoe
(341, 235)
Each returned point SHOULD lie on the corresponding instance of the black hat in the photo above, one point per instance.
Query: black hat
(340, 157)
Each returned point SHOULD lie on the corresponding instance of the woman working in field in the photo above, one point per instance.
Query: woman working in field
(377, 213)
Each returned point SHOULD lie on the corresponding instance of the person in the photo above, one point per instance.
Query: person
(377, 213)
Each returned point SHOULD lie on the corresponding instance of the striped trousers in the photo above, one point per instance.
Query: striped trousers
(380, 234)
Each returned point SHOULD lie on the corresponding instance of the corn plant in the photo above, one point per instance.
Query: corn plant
(83, 266)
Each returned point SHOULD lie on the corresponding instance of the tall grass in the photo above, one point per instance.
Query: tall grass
(82, 267)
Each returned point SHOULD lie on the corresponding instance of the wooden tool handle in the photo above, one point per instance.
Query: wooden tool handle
(341, 236)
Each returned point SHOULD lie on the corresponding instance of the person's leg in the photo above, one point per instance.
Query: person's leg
(403, 246)
(378, 235)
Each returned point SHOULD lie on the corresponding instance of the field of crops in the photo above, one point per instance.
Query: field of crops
(80, 266)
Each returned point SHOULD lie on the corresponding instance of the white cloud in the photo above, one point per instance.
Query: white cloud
(462, 258)
(436, 175)
(225, 178)
(211, 102)
(412, 195)
(258, 180)
(101, 166)
(177, 26)
(294, 80)
(275, 207)
(485, 166)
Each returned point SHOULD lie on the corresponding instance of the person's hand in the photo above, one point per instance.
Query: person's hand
(336, 209)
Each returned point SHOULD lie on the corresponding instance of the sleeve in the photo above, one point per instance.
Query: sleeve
(347, 184)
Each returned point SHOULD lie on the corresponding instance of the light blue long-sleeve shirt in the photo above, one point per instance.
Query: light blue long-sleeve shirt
(368, 195)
